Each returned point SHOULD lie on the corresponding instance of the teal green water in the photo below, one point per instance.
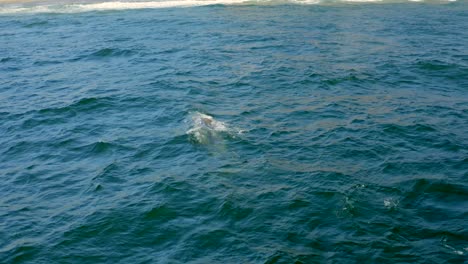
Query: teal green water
(255, 133)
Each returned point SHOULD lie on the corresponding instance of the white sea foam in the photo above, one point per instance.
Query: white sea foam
(158, 4)
(390, 203)
(107, 6)
(67, 7)
(204, 129)
(305, 2)
(453, 249)
(361, 1)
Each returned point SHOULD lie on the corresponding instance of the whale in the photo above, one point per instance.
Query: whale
(207, 121)
(206, 129)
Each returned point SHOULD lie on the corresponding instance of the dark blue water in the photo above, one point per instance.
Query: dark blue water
(332, 133)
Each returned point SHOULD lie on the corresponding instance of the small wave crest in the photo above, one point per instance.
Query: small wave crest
(111, 6)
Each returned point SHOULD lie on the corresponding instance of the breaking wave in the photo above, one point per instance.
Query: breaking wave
(118, 5)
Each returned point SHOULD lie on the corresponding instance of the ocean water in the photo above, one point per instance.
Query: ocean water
(234, 132)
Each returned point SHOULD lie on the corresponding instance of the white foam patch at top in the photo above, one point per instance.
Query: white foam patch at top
(205, 121)
(161, 4)
(118, 5)
(205, 129)
(105, 6)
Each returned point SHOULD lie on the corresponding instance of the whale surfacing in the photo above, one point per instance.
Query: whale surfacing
(208, 121)
(205, 129)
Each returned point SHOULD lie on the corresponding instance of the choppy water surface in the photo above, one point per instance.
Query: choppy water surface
(254, 133)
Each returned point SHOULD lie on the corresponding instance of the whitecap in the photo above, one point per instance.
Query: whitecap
(118, 5)
(453, 249)
(362, 1)
(390, 203)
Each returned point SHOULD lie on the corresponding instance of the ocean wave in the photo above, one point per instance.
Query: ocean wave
(118, 5)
